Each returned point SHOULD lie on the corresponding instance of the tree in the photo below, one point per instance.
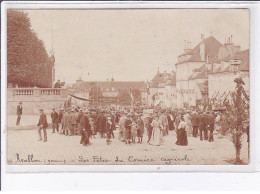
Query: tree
(236, 114)
(137, 95)
(28, 63)
(124, 97)
(95, 94)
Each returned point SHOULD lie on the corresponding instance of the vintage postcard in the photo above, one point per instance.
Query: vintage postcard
(127, 87)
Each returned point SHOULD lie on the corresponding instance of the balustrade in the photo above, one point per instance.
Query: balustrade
(23, 92)
(37, 92)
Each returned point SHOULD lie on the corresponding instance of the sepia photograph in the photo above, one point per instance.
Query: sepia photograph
(128, 87)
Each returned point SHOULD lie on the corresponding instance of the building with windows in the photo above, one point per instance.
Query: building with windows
(111, 92)
(208, 71)
(162, 90)
(221, 77)
(188, 62)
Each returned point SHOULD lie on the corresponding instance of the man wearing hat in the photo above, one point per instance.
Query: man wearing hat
(66, 122)
(109, 129)
(195, 124)
(121, 124)
(55, 120)
(101, 123)
(93, 115)
(128, 124)
(211, 123)
(85, 129)
(80, 114)
(60, 125)
(73, 122)
(19, 112)
(149, 127)
(203, 126)
(42, 125)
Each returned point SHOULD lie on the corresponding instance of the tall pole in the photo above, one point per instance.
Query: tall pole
(51, 34)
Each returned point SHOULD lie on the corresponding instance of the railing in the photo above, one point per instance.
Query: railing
(12, 92)
(23, 92)
(51, 91)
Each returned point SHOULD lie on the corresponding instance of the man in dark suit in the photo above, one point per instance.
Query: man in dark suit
(85, 129)
(55, 120)
(19, 112)
(202, 125)
(101, 123)
(211, 122)
(42, 125)
(195, 124)
(206, 129)
(149, 127)
(80, 114)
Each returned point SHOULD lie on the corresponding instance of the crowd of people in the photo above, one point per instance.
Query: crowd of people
(102, 122)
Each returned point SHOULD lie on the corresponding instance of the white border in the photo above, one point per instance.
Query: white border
(254, 46)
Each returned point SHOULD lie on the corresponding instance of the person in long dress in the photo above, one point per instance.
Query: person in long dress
(182, 135)
(164, 123)
(157, 132)
(128, 124)
(187, 119)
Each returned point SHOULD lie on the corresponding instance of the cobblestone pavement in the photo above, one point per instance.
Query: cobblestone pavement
(23, 145)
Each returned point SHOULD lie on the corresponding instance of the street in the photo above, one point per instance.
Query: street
(24, 148)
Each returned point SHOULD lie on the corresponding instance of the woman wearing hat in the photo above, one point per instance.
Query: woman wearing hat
(157, 135)
(182, 136)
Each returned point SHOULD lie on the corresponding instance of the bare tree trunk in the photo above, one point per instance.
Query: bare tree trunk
(238, 148)
(238, 155)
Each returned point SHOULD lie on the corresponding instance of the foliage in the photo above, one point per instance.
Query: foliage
(95, 93)
(237, 112)
(28, 63)
(137, 95)
(125, 98)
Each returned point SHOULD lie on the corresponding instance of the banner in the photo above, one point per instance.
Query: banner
(79, 98)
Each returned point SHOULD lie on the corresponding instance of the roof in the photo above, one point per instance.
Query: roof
(163, 79)
(199, 73)
(114, 84)
(212, 46)
(244, 66)
(159, 77)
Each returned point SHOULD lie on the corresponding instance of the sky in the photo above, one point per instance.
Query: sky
(130, 44)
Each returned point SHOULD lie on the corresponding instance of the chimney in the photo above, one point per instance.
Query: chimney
(187, 47)
(202, 37)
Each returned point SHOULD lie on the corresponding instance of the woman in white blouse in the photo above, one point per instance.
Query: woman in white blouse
(157, 132)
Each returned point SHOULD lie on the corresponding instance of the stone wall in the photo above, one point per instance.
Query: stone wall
(34, 99)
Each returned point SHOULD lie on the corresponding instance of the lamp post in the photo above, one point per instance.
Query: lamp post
(237, 136)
